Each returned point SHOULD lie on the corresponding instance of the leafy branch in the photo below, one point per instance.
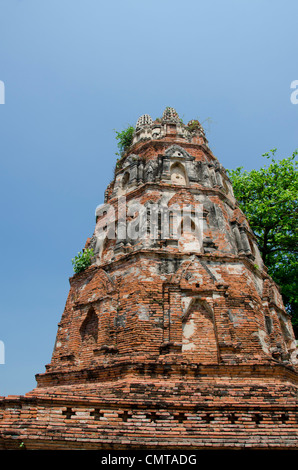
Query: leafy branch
(82, 260)
(269, 199)
(124, 138)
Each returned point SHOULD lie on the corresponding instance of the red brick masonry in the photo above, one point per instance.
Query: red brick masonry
(166, 343)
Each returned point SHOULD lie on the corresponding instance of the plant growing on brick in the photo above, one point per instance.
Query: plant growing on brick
(82, 260)
(124, 139)
(193, 125)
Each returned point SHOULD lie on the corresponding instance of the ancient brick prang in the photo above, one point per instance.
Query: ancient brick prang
(176, 327)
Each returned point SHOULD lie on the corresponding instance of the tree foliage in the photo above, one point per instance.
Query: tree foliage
(269, 199)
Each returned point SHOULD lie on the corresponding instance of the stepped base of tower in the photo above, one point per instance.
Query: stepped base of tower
(156, 405)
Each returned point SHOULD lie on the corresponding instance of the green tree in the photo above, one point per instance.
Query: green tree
(269, 199)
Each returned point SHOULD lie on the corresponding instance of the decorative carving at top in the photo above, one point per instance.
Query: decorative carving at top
(170, 115)
(144, 120)
(178, 152)
(170, 124)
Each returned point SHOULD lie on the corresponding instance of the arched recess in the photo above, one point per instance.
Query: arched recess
(125, 180)
(178, 174)
(190, 235)
(198, 333)
(89, 327)
(286, 333)
(123, 183)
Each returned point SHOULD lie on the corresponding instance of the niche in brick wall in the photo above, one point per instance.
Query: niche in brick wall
(125, 180)
(285, 332)
(198, 334)
(89, 327)
(190, 238)
(178, 174)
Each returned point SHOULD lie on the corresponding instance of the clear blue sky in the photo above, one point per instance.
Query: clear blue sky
(75, 70)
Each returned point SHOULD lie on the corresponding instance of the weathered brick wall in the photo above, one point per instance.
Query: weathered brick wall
(145, 306)
(166, 342)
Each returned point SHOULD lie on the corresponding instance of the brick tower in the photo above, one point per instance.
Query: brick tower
(175, 337)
